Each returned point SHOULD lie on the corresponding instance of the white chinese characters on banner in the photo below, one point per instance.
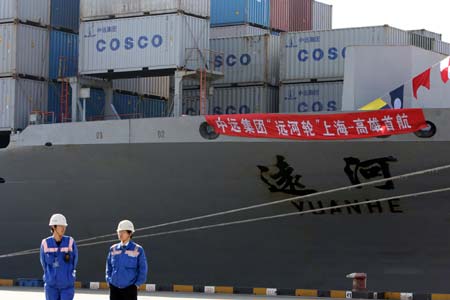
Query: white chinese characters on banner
(331, 126)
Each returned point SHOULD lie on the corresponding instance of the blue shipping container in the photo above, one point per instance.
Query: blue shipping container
(65, 14)
(153, 108)
(235, 12)
(54, 96)
(95, 106)
(63, 54)
(129, 107)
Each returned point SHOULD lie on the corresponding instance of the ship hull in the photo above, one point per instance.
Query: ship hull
(401, 244)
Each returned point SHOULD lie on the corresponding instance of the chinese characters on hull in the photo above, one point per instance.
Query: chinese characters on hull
(282, 178)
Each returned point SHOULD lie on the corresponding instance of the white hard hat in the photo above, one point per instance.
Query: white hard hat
(58, 219)
(125, 225)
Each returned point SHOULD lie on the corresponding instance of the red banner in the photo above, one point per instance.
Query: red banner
(355, 125)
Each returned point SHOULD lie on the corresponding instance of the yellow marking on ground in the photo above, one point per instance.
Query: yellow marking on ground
(6, 282)
(224, 289)
(337, 294)
(259, 291)
(306, 293)
(392, 295)
(440, 296)
(183, 288)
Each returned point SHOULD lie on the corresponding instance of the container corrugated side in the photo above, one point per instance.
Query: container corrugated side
(37, 11)
(19, 98)
(234, 12)
(311, 97)
(94, 9)
(65, 14)
(131, 44)
(259, 12)
(234, 100)
(153, 86)
(421, 41)
(236, 31)
(322, 16)
(430, 34)
(153, 108)
(54, 100)
(24, 50)
(441, 47)
(321, 54)
(248, 59)
(95, 105)
(129, 106)
(300, 15)
(428, 42)
(63, 54)
(279, 14)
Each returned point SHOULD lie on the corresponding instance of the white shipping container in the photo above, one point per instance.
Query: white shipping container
(234, 100)
(441, 47)
(37, 11)
(19, 98)
(430, 34)
(252, 59)
(321, 54)
(152, 42)
(154, 86)
(236, 31)
(311, 97)
(322, 16)
(428, 42)
(23, 50)
(96, 9)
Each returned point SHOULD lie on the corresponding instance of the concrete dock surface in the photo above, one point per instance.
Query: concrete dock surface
(19, 293)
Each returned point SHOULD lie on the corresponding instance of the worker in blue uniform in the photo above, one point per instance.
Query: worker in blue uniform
(59, 257)
(126, 265)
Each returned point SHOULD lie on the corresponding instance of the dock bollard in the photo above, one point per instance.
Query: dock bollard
(359, 281)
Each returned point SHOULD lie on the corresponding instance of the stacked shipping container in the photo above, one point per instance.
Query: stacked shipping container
(277, 15)
(115, 40)
(112, 43)
(38, 46)
(105, 9)
(320, 55)
(251, 60)
(251, 69)
(24, 44)
(311, 97)
(300, 15)
(157, 87)
(127, 106)
(236, 31)
(248, 60)
(239, 12)
(33, 11)
(234, 100)
(240, 29)
(63, 54)
(139, 45)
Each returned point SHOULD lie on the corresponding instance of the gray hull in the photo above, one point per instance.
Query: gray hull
(156, 171)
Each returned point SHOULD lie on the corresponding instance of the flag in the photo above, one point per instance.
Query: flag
(445, 69)
(376, 104)
(421, 80)
(397, 97)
